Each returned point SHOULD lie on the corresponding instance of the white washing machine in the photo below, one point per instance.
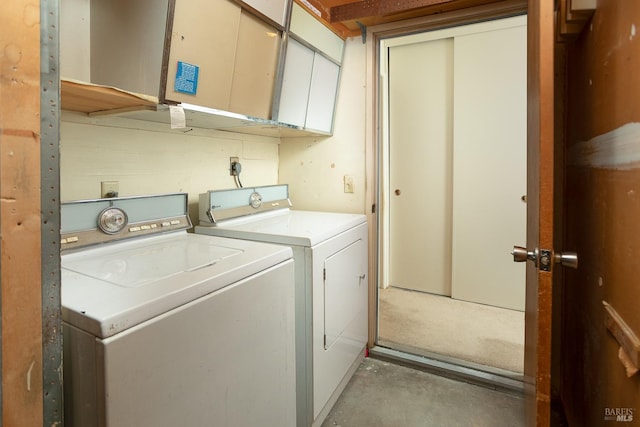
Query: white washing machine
(168, 328)
(330, 254)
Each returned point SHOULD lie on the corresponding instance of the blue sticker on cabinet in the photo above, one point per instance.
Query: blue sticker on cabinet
(186, 78)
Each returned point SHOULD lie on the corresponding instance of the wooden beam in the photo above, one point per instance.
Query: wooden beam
(369, 8)
(20, 219)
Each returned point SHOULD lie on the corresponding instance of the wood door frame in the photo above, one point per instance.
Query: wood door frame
(545, 211)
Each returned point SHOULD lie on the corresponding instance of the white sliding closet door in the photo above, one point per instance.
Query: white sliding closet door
(457, 161)
(490, 166)
(420, 109)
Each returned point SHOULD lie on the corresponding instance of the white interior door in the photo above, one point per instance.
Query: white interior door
(457, 161)
(489, 170)
(420, 165)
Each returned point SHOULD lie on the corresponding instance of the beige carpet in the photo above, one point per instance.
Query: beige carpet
(476, 333)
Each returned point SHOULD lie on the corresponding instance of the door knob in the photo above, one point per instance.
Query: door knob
(566, 259)
(521, 254)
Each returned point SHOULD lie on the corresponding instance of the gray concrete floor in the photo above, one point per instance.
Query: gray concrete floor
(385, 394)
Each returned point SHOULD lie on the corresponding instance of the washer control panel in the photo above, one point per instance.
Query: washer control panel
(90, 222)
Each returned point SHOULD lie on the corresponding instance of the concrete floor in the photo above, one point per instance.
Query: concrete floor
(385, 394)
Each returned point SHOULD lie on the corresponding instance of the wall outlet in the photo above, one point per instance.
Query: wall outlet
(348, 184)
(233, 160)
(109, 189)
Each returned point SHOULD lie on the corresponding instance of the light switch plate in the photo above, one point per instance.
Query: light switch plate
(348, 184)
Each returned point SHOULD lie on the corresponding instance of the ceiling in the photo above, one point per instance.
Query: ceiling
(347, 17)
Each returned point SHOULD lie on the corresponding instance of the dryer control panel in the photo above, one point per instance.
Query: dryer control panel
(218, 205)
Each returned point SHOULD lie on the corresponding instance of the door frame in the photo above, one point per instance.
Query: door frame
(373, 136)
(374, 146)
(546, 59)
(540, 383)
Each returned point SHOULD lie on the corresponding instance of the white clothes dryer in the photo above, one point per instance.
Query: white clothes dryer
(168, 328)
(330, 256)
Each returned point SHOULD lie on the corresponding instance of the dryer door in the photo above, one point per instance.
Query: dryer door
(345, 292)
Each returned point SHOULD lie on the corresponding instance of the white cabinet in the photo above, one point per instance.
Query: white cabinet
(311, 74)
(294, 95)
(306, 27)
(322, 94)
(276, 10)
(309, 88)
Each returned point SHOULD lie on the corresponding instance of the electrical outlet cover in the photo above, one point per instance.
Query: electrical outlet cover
(109, 188)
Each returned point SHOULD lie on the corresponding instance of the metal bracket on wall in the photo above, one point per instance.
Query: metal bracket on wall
(363, 30)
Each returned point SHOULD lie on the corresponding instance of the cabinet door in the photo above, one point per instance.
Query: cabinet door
(322, 94)
(272, 9)
(254, 71)
(127, 40)
(294, 95)
(307, 27)
(204, 35)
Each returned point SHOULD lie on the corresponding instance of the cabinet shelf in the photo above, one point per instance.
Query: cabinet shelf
(99, 101)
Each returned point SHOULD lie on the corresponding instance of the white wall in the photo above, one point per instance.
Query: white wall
(314, 167)
(147, 161)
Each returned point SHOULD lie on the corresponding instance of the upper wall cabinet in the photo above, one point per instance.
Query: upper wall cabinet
(275, 10)
(311, 74)
(211, 53)
(309, 88)
(222, 57)
(222, 60)
(307, 28)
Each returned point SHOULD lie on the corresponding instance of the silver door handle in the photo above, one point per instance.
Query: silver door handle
(521, 254)
(566, 259)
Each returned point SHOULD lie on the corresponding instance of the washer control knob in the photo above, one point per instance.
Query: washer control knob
(255, 200)
(112, 220)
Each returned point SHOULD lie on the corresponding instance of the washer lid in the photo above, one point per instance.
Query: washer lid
(141, 265)
(108, 289)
